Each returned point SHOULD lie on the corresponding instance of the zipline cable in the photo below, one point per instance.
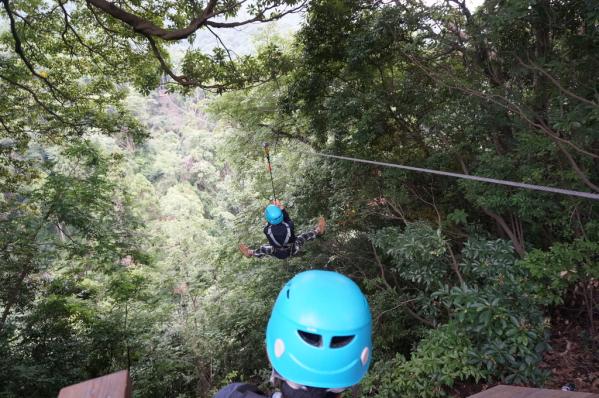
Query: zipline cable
(587, 195)
(265, 146)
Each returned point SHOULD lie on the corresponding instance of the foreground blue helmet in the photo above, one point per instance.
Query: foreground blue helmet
(273, 214)
(319, 332)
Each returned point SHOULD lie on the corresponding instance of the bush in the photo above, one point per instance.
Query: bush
(488, 328)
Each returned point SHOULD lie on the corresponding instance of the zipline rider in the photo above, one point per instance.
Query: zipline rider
(282, 242)
(318, 339)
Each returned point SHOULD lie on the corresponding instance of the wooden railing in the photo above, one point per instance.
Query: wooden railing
(523, 392)
(118, 385)
(114, 385)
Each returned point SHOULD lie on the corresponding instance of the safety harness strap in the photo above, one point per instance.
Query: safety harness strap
(287, 235)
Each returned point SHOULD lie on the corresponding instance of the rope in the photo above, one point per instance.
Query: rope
(272, 182)
(587, 195)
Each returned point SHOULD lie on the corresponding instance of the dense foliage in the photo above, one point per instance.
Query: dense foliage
(122, 202)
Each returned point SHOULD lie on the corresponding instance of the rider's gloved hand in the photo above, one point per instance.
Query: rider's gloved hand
(278, 203)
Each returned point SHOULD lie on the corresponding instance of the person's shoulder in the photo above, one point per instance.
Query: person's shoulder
(239, 390)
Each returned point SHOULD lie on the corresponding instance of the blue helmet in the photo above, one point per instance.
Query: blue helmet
(320, 331)
(273, 214)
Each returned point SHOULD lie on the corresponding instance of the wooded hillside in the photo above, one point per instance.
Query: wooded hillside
(131, 167)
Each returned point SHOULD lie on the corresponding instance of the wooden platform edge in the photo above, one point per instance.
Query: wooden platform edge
(505, 391)
(114, 385)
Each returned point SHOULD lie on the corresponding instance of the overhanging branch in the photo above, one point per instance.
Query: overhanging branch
(147, 28)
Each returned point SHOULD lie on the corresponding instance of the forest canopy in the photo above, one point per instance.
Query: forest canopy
(131, 168)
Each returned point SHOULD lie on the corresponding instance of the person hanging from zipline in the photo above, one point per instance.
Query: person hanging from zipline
(282, 242)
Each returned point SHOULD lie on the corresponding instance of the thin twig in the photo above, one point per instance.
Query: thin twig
(35, 98)
(378, 318)
(421, 319)
(222, 44)
(381, 266)
(454, 264)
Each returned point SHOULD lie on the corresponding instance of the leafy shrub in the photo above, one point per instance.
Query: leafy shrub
(418, 252)
(553, 272)
(442, 357)
(489, 327)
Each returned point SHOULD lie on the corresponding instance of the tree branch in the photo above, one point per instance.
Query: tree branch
(257, 18)
(282, 133)
(80, 40)
(102, 25)
(518, 245)
(5, 127)
(402, 303)
(182, 80)
(396, 208)
(577, 169)
(504, 103)
(454, 264)
(21, 53)
(431, 204)
(556, 83)
(147, 28)
(421, 319)
(221, 43)
(36, 99)
(463, 8)
(381, 267)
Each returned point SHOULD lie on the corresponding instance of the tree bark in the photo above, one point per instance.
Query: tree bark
(141, 25)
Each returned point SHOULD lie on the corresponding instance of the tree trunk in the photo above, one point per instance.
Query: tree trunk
(13, 296)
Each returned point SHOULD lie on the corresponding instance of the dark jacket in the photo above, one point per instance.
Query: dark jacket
(242, 390)
(239, 390)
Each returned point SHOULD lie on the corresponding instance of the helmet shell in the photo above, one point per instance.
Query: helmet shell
(328, 309)
(273, 214)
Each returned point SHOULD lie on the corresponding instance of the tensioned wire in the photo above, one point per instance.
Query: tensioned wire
(587, 195)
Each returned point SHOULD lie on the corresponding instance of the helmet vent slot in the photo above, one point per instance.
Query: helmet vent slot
(311, 338)
(287, 293)
(341, 341)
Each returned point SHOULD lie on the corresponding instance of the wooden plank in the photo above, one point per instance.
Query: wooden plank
(523, 392)
(114, 385)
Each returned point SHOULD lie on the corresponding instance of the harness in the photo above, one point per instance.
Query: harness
(285, 249)
(287, 235)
